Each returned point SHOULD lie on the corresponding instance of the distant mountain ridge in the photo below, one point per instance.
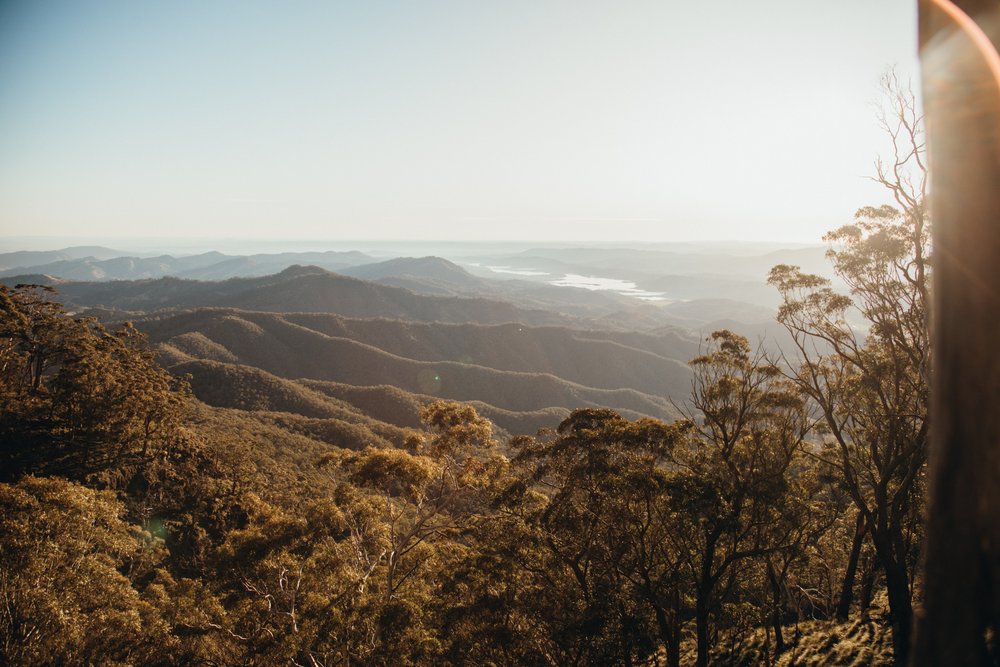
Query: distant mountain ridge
(24, 260)
(431, 268)
(287, 349)
(68, 264)
(723, 278)
(297, 289)
(428, 276)
(338, 355)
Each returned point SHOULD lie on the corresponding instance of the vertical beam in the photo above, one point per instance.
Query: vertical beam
(961, 91)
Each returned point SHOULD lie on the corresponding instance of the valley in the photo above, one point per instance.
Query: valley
(526, 347)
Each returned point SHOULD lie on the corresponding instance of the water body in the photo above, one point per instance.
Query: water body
(516, 272)
(593, 283)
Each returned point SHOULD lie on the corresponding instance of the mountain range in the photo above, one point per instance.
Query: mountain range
(351, 355)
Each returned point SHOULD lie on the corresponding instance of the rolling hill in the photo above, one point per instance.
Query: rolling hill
(513, 368)
(343, 415)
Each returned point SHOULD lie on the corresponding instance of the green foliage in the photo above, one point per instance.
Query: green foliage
(64, 596)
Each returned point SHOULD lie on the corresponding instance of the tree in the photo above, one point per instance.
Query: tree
(35, 336)
(601, 551)
(732, 482)
(403, 511)
(870, 384)
(427, 493)
(77, 397)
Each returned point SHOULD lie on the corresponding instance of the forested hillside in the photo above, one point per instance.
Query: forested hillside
(229, 486)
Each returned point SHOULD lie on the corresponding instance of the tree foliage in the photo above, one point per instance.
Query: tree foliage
(65, 590)
(77, 397)
(864, 357)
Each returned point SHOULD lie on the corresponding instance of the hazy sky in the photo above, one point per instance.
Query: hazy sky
(624, 119)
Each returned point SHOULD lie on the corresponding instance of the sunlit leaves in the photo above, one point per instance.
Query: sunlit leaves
(64, 596)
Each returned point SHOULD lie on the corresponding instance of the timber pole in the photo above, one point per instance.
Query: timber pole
(961, 93)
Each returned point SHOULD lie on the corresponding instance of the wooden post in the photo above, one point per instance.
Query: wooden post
(961, 92)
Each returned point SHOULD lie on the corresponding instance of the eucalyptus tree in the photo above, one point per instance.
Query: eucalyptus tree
(602, 535)
(863, 358)
(76, 395)
(732, 481)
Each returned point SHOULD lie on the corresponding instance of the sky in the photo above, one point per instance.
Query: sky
(649, 120)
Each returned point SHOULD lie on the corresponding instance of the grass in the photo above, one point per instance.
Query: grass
(860, 642)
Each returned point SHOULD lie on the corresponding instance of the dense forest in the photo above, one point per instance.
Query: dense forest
(221, 515)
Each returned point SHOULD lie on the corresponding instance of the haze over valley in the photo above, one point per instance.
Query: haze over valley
(528, 334)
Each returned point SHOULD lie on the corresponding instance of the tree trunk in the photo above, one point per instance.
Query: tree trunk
(962, 102)
(776, 608)
(36, 374)
(669, 634)
(867, 586)
(897, 584)
(703, 599)
(900, 609)
(674, 647)
(847, 588)
(701, 625)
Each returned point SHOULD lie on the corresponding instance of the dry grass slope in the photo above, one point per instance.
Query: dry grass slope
(861, 642)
